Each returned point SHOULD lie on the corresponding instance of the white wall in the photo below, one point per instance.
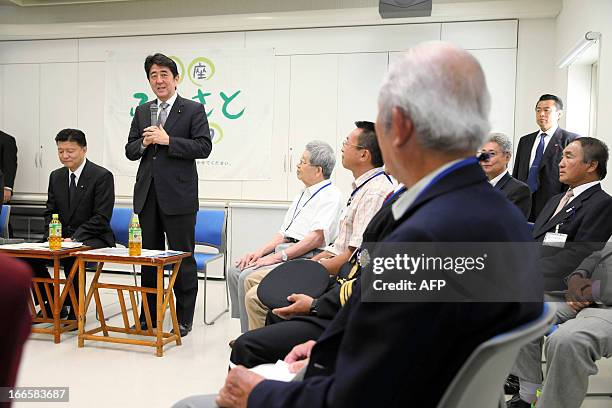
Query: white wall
(534, 72)
(333, 73)
(576, 18)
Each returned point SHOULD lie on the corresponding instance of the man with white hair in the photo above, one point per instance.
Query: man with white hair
(433, 116)
(495, 155)
(310, 224)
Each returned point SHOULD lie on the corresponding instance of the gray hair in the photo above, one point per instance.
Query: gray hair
(502, 141)
(322, 155)
(442, 89)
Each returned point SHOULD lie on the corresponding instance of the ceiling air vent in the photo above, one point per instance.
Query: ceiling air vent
(404, 8)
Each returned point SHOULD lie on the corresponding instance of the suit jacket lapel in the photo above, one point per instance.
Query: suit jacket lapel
(502, 182)
(175, 112)
(61, 192)
(567, 211)
(526, 153)
(552, 147)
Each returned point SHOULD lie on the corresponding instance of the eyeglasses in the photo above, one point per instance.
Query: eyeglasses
(346, 142)
(303, 162)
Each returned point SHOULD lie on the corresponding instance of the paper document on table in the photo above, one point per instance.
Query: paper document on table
(39, 245)
(146, 253)
(278, 371)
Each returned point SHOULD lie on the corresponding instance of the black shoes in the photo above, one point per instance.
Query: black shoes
(517, 402)
(144, 326)
(184, 329)
(63, 313)
(511, 386)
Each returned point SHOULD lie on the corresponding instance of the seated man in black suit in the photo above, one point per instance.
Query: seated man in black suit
(433, 116)
(83, 194)
(495, 156)
(580, 221)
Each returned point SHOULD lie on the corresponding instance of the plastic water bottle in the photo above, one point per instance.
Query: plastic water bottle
(55, 233)
(135, 237)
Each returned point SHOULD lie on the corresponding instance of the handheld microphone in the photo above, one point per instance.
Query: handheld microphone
(153, 108)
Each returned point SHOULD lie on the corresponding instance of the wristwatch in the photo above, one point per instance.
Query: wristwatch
(313, 307)
(284, 256)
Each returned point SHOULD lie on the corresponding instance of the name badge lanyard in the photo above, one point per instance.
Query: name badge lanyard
(296, 212)
(350, 200)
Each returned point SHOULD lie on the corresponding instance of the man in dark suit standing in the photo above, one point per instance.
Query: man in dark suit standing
(538, 154)
(495, 156)
(8, 163)
(83, 195)
(166, 189)
(403, 353)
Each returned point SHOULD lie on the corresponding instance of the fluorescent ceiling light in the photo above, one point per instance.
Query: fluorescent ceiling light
(590, 38)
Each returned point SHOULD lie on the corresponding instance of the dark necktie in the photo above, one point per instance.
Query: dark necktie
(72, 190)
(532, 178)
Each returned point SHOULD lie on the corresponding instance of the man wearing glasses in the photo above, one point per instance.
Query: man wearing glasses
(494, 158)
(362, 156)
(310, 224)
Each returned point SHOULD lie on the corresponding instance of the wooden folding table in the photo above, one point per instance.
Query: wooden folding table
(164, 298)
(57, 300)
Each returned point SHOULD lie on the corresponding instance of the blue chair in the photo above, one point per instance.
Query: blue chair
(120, 224)
(211, 230)
(4, 221)
(479, 382)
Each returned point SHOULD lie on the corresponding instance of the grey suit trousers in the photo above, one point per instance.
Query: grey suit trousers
(235, 281)
(571, 353)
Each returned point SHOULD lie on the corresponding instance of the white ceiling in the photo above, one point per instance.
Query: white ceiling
(143, 17)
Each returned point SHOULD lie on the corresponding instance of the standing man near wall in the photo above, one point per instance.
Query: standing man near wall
(539, 153)
(166, 189)
(8, 163)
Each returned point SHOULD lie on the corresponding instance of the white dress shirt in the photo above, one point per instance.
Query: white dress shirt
(549, 133)
(581, 189)
(314, 208)
(170, 102)
(499, 177)
(77, 173)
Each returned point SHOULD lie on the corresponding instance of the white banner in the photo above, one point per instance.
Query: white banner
(236, 88)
